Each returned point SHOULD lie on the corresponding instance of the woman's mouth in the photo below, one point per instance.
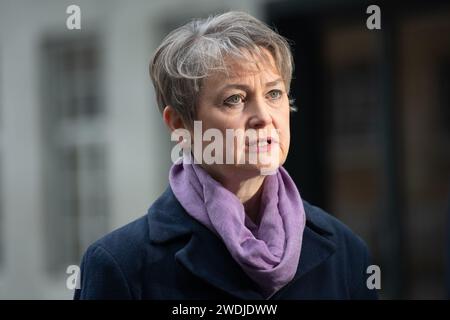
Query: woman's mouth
(261, 145)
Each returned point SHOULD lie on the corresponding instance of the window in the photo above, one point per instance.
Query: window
(75, 163)
(353, 113)
(354, 103)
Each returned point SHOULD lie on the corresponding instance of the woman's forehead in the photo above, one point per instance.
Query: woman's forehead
(241, 69)
(250, 62)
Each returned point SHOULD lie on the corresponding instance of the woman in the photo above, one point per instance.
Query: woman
(235, 228)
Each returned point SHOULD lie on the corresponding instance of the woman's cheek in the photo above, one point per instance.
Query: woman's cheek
(285, 145)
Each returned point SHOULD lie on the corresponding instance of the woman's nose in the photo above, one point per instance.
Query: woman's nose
(260, 116)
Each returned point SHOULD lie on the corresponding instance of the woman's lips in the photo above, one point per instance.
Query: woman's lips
(261, 145)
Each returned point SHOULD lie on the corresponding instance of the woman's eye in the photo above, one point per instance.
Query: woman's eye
(275, 94)
(234, 100)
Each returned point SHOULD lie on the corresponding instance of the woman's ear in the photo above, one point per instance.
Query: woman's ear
(172, 118)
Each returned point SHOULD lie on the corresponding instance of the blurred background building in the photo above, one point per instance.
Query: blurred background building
(83, 149)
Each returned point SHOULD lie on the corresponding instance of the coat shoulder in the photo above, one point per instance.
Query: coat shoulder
(106, 271)
(126, 242)
(351, 257)
(325, 223)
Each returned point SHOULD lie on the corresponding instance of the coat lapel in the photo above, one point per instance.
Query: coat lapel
(206, 256)
(318, 244)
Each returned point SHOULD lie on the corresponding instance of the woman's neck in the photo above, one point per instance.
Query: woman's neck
(248, 189)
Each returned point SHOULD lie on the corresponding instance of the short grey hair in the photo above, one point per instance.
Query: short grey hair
(195, 50)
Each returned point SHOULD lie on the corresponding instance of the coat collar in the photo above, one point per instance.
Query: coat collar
(169, 222)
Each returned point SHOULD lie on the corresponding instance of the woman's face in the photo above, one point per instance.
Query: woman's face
(251, 98)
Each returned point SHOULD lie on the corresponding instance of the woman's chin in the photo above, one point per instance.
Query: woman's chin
(265, 166)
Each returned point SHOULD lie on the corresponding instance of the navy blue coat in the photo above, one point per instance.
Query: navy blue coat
(167, 254)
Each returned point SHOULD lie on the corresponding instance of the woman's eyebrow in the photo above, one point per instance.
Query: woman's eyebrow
(246, 87)
(274, 83)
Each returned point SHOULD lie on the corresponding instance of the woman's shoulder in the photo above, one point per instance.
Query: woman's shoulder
(350, 256)
(106, 271)
(328, 225)
(125, 242)
(162, 219)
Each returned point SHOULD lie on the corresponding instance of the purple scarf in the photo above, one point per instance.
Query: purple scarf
(269, 252)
